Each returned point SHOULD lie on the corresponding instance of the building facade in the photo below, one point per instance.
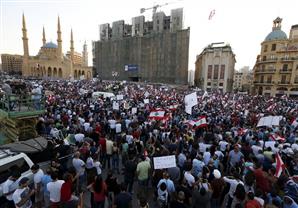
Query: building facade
(12, 64)
(214, 68)
(151, 51)
(276, 67)
(50, 62)
(242, 81)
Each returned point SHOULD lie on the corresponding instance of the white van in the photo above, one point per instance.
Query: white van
(10, 161)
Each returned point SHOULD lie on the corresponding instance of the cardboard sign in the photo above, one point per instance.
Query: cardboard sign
(119, 97)
(115, 106)
(164, 162)
(269, 121)
(146, 101)
(134, 110)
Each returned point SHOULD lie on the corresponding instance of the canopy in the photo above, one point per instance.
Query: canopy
(29, 146)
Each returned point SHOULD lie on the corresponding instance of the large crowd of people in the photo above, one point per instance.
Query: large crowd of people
(231, 161)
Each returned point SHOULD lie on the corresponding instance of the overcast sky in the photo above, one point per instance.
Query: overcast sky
(243, 24)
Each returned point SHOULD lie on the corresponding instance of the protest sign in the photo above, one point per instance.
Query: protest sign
(164, 162)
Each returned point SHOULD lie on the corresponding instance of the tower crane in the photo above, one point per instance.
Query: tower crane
(154, 8)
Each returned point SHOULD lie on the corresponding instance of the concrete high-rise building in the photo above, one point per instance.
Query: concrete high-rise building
(276, 68)
(118, 29)
(176, 22)
(151, 53)
(138, 26)
(215, 68)
(104, 31)
(12, 64)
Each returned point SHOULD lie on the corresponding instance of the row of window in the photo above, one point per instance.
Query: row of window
(216, 71)
(273, 47)
(283, 79)
(220, 84)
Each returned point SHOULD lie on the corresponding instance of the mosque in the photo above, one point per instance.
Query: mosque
(51, 63)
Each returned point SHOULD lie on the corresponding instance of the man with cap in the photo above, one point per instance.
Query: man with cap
(21, 196)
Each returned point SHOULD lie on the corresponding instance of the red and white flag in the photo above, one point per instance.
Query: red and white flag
(280, 166)
(271, 107)
(277, 137)
(157, 115)
(241, 131)
(198, 123)
(294, 123)
(173, 107)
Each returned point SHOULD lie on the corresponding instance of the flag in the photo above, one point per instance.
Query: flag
(277, 137)
(173, 107)
(241, 131)
(280, 166)
(294, 123)
(198, 123)
(212, 13)
(157, 115)
(190, 100)
(271, 107)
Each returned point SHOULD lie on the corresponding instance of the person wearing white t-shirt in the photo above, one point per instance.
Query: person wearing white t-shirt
(9, 187)
(86, 126)
(37, 176)
(109, 148)
(21, 196)
(189, 178)
(223, 145)
(118, 128)
(112, 123)
(54, 188)
(79, 137)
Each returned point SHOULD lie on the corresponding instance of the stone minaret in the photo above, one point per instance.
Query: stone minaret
(71, 46)
(43, 36)
(25, 69)
(85, 55)
(59, 40)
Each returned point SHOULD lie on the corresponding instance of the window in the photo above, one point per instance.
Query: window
(283, 79)
(222, 71)
(273, 47)
(269, 79)
(264, 58)
(221, 84)
(263, 67)
(17, 165)
(209, 72)
(285, 67)
(297, 67)
(209, 83)
(215, 75)
(265, 48)
(262, 79)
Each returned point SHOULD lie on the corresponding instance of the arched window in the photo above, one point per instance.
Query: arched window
(55, 72)
(75, 74)
(49, 71)
(294, 89)
(88, 75)
(60, 73)
(282, 89)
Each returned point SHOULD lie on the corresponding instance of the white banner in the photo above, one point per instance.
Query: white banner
(146, 101)
(134, 110)
(115, 106)
(190, 100)
(119, 97)
(269, 121)
(164, 162)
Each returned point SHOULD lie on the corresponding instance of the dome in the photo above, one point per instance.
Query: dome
(50, 45)
(276, 35)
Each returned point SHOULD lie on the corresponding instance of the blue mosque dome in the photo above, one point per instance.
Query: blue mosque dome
(276, 35)
(50, 45)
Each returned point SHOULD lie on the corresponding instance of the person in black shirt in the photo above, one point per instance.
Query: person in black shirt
(123, 199)
(179, 202)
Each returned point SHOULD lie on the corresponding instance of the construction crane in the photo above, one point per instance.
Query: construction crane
(154, 8)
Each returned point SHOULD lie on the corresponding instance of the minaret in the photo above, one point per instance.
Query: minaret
(85, 55)
(59, 40)
(71, 46)
(43, 36)
(25, 39)
(25, 67)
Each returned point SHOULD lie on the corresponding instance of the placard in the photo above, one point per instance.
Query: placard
(134, 110)
(146, 94)
(164, 162)
(119, 97)
(146, 101)
(115, 106)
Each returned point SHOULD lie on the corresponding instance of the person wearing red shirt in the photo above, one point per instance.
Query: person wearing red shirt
(67, 198)
(103, 149)
(251, 202)
(99, 190)
(262, 182)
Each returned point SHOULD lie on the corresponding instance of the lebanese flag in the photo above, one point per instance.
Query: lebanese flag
(198, 123)
(173, 107)
(157, 115)
(294, 123)
(280, 166)
(277, 138)
(271, 107)
(241, 131)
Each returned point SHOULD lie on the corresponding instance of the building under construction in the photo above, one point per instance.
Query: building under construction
(153, 51)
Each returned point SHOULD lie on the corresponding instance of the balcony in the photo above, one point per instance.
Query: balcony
(283, 83)
(17, 106)
(265, 71)
(287, 59)
(285, 71)
(267, 60)
(263, 83)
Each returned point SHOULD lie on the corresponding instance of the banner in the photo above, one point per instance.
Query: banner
(119, 97)
(269, 121)
(164, 162)
(115, 106)
(190, 100)
(134, 110)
